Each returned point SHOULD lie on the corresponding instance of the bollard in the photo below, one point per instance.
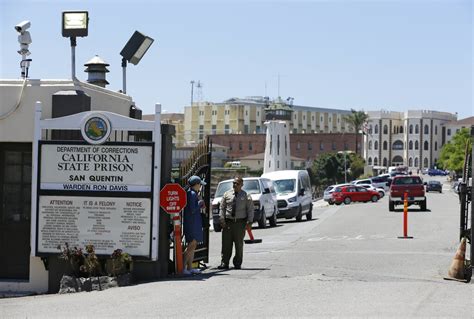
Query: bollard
(405, 218)
(177, 244)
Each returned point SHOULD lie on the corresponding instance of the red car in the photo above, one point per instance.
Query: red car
(348, 194)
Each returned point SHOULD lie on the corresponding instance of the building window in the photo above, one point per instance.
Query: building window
(322, 119)
(427, 129)
(310, 146)
(257, 129)
(333, 146)
(312, 118)
(385, 145)
(417, 130)
(449, 132)
(240, 146)
(213, 129)
(416, 145)
(416, 161)
(304, 117)
(401, 129)
(397, 145)
(376, 129)
(226, 129)
(376, 145)
(436, 129)
(250, 146)
(295, 130)
(278, 145)
(411, 129)
(370, 161)
(410, 162)
(246, 129)
(370, 145)
(410, 145)
(436, 146)
(425, 163)
(385, 129)
(385, 161)
(376, 162)
(246, 113)
(321, 146)
(201, 132)
(425, 145)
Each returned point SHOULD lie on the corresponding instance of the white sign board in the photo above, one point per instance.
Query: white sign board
(108, 223)
(81, 167)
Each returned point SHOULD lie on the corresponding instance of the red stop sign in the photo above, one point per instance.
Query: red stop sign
(172, 198)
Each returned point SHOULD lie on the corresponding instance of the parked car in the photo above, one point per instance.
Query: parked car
(379, 190)
(434, 186)
(413, 185)
(294, 193)
(264, 200)
(436, 172)
(381, 181)
(352, 193)
(328, 192)
(359, 182)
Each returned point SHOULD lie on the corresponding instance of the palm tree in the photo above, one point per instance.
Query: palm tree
(356, 119)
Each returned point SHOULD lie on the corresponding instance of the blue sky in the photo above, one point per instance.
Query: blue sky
(370, 55)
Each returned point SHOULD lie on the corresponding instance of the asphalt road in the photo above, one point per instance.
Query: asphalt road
(346, 262)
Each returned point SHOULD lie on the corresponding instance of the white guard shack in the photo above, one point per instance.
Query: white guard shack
(102, 191)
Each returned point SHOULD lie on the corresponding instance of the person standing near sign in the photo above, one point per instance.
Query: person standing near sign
(236, 211)
(192, 223)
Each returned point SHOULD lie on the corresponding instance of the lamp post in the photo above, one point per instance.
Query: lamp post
(133, 52)
(75, 24)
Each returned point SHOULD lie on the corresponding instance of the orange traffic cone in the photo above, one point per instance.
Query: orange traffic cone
(457, 269)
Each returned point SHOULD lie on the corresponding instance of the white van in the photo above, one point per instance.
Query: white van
(294, 194)
(264, 200)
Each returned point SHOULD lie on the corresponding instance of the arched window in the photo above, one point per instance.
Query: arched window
(416, 161)
(385, 161)
(410, 145)
(410, 162)
(385, 145)
(417, 129)
(376, 130)
(395, 130)
(370, 161)
(370, 145)
(416, 145)
(425, 145)
(385, 129)
(425, 163)
(376, 145)
(436, 146)
(397, 145)
(411, 129)
(401, 129)
(375, 161)
(427, 129)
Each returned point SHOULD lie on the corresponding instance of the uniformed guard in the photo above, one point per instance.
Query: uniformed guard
(236, 211)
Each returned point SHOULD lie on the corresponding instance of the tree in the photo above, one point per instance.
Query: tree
(453, 152)
(356, 119)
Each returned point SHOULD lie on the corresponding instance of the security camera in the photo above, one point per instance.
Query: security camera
(23, 26)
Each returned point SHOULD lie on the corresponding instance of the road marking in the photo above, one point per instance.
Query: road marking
(345, 237)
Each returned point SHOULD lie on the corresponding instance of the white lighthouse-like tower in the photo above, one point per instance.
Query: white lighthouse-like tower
(277, 143)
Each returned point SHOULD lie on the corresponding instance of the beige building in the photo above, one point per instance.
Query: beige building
(246, 116)
(455, 126)
(412, 138)
(176, 119)
(256, 161)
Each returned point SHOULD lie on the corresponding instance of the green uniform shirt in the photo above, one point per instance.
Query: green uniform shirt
(243, 206)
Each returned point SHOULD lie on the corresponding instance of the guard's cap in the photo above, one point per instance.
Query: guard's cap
(193, 180)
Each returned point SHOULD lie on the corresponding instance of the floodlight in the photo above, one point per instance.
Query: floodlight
(75, 23)
(133, 52)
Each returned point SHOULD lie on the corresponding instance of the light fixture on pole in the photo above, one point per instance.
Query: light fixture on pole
(133, 52)
(74, 24)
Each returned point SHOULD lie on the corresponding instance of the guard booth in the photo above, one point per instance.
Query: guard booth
(103, 190)
(199, 163)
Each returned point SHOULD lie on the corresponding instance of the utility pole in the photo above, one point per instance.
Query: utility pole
(192, 92)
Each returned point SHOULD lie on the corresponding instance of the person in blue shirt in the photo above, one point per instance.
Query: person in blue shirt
(192, 223)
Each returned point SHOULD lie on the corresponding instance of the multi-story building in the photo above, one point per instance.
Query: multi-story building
(246, 116)
(455, 126)
(176, 119)
(413, 138)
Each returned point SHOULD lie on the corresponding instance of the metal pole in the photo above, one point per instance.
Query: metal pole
(73, 57)
(124, 76)
(345, 168)
(192, 92)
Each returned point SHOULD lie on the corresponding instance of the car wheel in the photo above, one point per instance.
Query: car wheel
(381, 194)
(423, 206)
(391, 206)
(375, 198)
(273, 219)
(217, 228)
(347, 200)
(262, 223)
(299, 216)
(309, 215)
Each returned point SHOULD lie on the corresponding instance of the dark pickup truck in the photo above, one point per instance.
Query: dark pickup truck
(413, 185)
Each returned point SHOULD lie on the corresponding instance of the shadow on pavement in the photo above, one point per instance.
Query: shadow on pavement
(413, 210)
(291, 221)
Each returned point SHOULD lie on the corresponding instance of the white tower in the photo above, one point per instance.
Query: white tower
(277, 143)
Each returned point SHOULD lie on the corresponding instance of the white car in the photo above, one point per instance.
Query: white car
(328, 192)
(379, 190)
(264, 200)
